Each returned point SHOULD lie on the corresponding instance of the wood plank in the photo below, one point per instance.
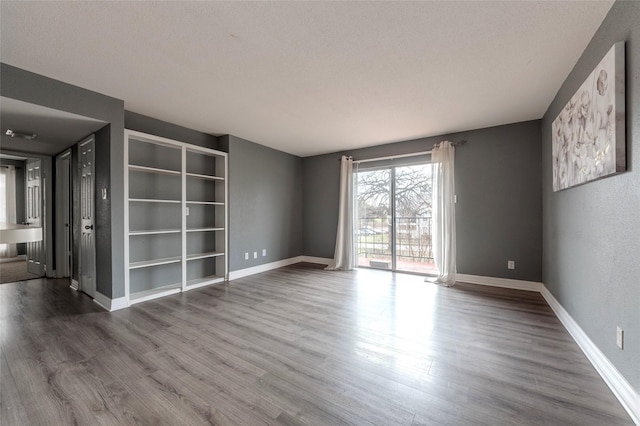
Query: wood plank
(294, 346)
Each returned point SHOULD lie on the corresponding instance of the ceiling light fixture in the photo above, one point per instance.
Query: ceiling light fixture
(21, 135)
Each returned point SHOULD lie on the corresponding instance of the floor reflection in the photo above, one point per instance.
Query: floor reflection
(395, 319)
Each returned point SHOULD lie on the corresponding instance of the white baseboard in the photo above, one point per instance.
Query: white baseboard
(110, 304)
(318, 260)
(500, 282)
(234, 275)
(74, 284)
(241, 273)
(626, 394)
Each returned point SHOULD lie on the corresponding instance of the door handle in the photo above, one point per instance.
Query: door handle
(88, 227)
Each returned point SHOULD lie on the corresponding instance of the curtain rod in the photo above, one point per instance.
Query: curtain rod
(393, 157)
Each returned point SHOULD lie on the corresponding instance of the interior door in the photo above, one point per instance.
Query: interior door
(87, 264)
(63, 205)
(35, 250)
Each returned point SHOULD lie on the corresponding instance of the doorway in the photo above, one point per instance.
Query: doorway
(393, 225)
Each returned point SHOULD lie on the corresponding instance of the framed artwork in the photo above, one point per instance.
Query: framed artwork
(588, 136)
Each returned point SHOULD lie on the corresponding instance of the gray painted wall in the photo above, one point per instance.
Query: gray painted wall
(40, 90)
(265, 203)
(499, 210)
(103, 222)
(142, 123)
(592, 232)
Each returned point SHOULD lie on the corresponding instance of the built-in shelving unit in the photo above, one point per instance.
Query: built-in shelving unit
(176, 216)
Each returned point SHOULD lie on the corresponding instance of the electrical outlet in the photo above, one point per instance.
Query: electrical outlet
(264, 252)
(255, 254)
(246, 256)
(511, 264)
(620, 337)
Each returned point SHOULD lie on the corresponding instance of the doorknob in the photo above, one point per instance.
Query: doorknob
(88, 227)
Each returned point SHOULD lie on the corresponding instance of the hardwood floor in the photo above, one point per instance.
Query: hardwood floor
(297, 345)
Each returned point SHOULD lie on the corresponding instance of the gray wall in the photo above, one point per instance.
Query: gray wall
(592, 232)
(142, 123)
(265, 203)
(20, 193)
(499, 210)
(40, 90)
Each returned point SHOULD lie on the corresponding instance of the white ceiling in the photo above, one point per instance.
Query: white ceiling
(310, 77)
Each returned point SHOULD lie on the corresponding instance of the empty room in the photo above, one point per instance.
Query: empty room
(320, 213)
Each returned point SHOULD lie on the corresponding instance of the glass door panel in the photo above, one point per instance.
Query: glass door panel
(373, 225)
(412, 190)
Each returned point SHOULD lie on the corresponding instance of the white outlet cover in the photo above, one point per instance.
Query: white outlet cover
(246, 256)
(264, 252)
(511, 264)
(255, 254)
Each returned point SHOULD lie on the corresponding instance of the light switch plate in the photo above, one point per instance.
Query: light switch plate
(620, 337)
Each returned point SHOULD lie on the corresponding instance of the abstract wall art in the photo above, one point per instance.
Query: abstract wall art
(589, 133)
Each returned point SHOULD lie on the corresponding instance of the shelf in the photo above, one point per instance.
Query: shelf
(195, 256)
(201, 282)
(154, 293)
(153, 200)
(176, 200)
(154, 231)
(146, 169)
(204, 229)
(210, 203)
(199, 176)
(154, 262)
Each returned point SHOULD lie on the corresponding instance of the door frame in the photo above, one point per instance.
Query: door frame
(393, 243)
(47, 195)
(63, 186)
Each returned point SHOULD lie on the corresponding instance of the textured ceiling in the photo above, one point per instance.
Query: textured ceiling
(310, 77)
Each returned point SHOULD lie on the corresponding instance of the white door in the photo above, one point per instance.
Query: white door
(87, 243)
(63, 208)
(35, 250)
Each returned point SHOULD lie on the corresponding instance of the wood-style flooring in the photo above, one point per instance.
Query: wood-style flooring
(293, 346)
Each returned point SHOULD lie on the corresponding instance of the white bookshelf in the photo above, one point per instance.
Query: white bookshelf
(175, 216)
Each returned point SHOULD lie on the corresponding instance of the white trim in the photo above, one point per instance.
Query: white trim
(626, 394)
(500, 282)
(110, 304)
(241, 273)
(119, 303)
(74, 284)
(318, 260)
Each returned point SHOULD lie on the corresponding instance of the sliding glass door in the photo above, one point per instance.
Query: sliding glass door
(393, 229)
